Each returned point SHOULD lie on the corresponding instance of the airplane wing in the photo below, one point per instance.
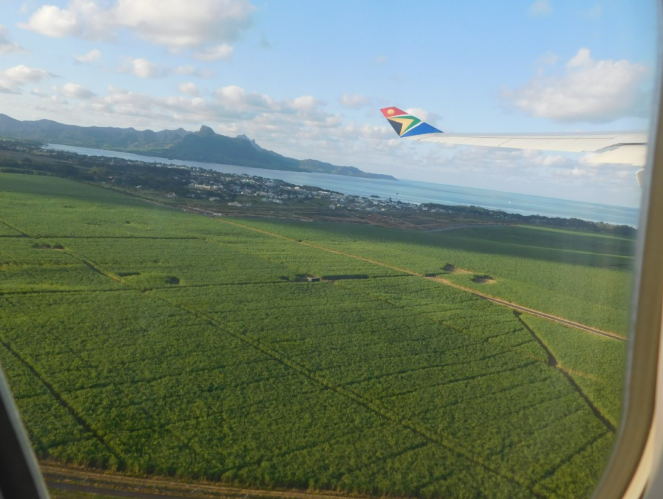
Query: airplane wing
(609, 147)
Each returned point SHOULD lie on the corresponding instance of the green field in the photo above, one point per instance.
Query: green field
(146, 339)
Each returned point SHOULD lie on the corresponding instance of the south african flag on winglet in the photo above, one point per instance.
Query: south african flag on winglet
(405, 124)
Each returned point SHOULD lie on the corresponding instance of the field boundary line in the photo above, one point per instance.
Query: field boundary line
(59, 291)
(553, 362)
(22, 234)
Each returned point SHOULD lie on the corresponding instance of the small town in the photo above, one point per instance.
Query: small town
(219, 187)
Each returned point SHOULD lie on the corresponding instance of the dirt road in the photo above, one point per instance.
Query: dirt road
(117, 485)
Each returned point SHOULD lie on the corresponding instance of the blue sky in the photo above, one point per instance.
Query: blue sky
(307, 79)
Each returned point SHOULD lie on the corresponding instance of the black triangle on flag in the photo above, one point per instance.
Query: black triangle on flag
(396, 125)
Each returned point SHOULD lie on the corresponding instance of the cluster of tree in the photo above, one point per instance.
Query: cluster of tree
(116, 171)
(569, 223)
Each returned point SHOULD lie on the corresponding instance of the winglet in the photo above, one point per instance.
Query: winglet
(405, 124)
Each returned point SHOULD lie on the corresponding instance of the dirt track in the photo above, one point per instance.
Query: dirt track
(531, 311)
(116, 485)
(498, 301)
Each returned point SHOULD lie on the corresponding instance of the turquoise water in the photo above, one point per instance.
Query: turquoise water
(410, 191)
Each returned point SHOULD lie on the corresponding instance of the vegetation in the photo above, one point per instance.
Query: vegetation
(580, 276)
(596, 364)
(146, 339)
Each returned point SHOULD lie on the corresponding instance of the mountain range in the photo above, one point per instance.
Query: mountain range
(204, 145)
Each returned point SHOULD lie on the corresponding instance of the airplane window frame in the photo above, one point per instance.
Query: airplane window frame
(629, 469)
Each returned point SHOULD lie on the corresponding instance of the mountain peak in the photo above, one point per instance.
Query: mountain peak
(206, 131)
(250, 141)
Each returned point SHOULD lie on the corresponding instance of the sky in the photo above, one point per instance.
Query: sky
(307, 79)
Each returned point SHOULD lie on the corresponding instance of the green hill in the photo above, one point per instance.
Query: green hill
(203, 145)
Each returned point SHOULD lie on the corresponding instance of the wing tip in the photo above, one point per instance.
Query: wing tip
(406, 124)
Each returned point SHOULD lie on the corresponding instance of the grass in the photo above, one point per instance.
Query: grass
(193, 347)
(581, 276)
(596, 363)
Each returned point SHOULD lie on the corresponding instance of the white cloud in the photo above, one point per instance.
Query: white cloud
(171, 23)
(422, 114)
(305, 103)
(582, 58)
(74, 91)
(381, 59)
(12, 79)
(176, 23)
(239, 102)
(235, 96)
(142, 68)
(91, 56)
(7, 46)
(588, 90)
(540, 8)
(145, 69)
(230, 107)
(82, 18)
(222, 52)
(354, 101)
(188, 88)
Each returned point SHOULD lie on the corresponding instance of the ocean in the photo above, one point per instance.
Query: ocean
(410, 191)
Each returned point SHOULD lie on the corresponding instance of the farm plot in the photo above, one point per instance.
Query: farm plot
(134, 384)
(243, 372)
(148, 264)
(596, 363)
(68, 209)
(582, 277)
(30, 266)
(304, 258)
(425, 372)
